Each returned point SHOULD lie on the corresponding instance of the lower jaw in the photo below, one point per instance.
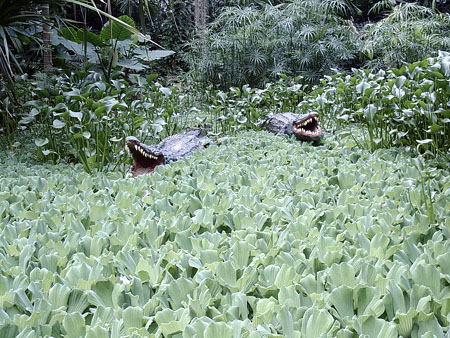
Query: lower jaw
(142, 171)
(308, 137)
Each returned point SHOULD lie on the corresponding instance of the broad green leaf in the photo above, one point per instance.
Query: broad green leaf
(316, 323)
(214, 330)
(444, 263)
(285, 276)
(379, 328)
(241, 252)
(427, 275)
(226, 273)
(171, 322)
(59, 296)
(133, 317)
(118, 31)
(405, 320)
(150, 55)
(98, 332)
(431, 327)
(86, 35)
(239, 299)
(288, 296)
(70, 34)
(74, 325)
(97, 212)
(362, 87)
(58, 124)
(342, 274)
(342, 299)
(287, 323)
(379, 245)
(78, 302)
(398, 298)
(179, 291)
(41, 142)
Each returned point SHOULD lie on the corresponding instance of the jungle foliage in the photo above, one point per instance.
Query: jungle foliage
(405, 106)
(258, 235)
(253, 45)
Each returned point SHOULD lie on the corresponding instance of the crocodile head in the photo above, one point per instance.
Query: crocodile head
(145, 158)
(307, 128)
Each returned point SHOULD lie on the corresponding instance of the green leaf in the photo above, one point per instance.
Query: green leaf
(342, 299)
(316, 323)
(97, 212)
(86, 35)
(362, 87)
(41, 142)
(398, 299)
(151, 78)
(431, 327)
(342, 274)
(285, 276)
(379, 245)
(74, 325)
(78, 115)
(379, 328)
(70, 34)
(214, 330)
(118, 31)
(241, 253)
(150, 55)
(287, 323)
(226, 273)
(58, 124)
(179, 291)
(98, 332)
(133, 317)
(427, 275)
(171, 322)
(59, 295)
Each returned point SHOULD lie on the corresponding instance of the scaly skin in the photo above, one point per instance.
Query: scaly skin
(146, 158)
(304, 127)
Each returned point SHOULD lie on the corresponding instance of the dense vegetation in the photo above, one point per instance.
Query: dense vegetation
(258, 235)
(310, 38)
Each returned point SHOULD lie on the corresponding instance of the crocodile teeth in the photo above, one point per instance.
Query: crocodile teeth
(310, 133)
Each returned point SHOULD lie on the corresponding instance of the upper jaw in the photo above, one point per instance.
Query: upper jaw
(308, 127)
(145, 158)
(137, 149)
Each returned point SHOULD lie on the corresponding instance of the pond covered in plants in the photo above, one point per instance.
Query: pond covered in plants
(260, 236)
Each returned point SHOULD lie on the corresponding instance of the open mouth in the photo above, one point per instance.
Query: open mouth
(308, 127)
(145, 158)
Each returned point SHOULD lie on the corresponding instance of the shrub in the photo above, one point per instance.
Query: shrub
(253, 46)
(78, 117)
(409, 33)
(405, 107)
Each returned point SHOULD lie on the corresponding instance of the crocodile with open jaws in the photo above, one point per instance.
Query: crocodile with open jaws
(305, 127)
(173, 148)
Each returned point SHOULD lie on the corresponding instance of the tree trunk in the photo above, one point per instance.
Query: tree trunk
(201, 9)
(47, 58)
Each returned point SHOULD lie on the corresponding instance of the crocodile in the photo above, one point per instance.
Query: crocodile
(305, 127)
(171, 149)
